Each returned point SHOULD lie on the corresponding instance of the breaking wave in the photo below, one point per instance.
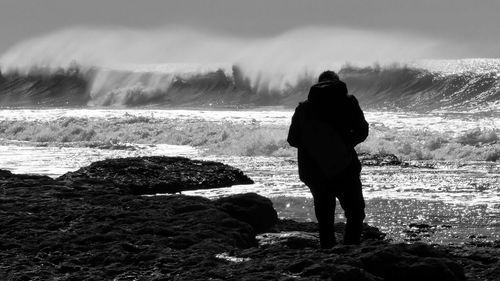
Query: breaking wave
(395, 87)
(176, 66)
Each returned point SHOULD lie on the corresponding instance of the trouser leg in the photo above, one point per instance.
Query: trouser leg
(351, 199)
(324, 208)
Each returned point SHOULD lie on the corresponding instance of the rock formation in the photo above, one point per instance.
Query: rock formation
(157, 174)
(93, 225)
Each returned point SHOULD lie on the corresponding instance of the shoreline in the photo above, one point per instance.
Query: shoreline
(85, 227)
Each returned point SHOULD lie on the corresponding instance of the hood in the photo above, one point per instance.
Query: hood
(327, 92)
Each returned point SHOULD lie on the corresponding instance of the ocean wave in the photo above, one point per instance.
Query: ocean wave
(419, 89)
(181, 66)
(394, 87)
(246, 139)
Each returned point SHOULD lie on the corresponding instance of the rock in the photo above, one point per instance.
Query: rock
(251, 208)
(348, 273)
(292, 239)
(368, 232)
(300, 265)
(381, 159)
(92, 229)
(84, 227)
(158, 174)
(397, 262)
(5, 173)
(387, 159)
(418, 231)
(120, 234)
(287, 225)
(9, 176)
(419, 225)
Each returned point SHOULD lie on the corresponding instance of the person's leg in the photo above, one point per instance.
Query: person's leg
(324, 207)
(351, 199)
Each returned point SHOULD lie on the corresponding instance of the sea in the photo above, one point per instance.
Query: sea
(441, 117)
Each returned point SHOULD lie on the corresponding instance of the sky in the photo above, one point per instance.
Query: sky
(472, 24)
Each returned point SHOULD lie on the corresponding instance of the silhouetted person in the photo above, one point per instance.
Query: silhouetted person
(325, 128)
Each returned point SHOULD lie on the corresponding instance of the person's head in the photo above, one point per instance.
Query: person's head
(328, 76)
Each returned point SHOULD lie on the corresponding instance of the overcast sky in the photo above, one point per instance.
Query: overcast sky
(467, 22)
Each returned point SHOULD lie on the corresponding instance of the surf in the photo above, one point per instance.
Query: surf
(179, 66)
(393, 87)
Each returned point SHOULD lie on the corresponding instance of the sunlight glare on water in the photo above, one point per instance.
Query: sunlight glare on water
(56, 161)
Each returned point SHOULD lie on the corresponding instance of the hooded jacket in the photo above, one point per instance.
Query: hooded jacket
(329, 102)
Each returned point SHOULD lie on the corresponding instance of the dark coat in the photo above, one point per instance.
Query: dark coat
(329, 102)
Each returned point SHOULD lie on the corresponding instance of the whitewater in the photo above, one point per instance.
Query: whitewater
(67, 101)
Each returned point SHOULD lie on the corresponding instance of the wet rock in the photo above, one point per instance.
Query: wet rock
(100, 231)
(397, 262)
(368, 232)
(292, 239)
(158, 174)
(287, 225)
(92, 229)
(347, 273)
(419, 225)
(418, 231)
(300, 265)
(381, 159)
(8, 176)
(251, 208)
(371, 233)
(386, 159)
(5, 173)
(109, 236)
(373, 260)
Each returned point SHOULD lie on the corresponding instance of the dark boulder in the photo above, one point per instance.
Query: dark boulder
(387, 159)
(158, 174)
(251, 208)
(380, 159)
(411, 262)
(5, 173)
(89, 229)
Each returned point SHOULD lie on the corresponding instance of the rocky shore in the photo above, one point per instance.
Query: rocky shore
(101, 223)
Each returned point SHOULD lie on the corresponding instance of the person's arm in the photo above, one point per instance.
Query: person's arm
(359, 130)
(294, 131)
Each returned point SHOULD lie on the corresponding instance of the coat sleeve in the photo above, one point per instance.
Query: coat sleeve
(294, 131)
(359, 130)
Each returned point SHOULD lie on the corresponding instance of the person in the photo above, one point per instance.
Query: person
(329, 103)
